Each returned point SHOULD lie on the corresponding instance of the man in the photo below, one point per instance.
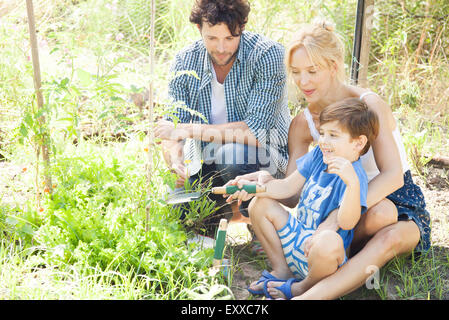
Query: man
(239, 90)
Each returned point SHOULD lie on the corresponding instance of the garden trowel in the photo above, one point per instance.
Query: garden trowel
(184, 197)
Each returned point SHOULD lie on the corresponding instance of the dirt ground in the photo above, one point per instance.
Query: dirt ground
(435, 187)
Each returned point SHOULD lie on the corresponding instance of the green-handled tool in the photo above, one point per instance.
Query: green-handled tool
(183, 196)
(250, 188)
(220, 243)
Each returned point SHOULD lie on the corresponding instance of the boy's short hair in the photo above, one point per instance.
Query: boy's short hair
(234, 13)
(355, 117)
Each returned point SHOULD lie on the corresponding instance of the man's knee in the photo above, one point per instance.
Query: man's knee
(235, 154)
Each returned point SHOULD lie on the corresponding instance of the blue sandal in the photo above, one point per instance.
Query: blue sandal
(285, 288)
(266, 276)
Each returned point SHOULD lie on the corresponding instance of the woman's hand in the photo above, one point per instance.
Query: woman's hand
(259, 177)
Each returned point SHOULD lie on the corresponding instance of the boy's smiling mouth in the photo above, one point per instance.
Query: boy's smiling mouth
(326, 151)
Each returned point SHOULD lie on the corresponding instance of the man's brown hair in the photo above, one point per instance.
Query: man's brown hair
(355, 117)
(234, 13)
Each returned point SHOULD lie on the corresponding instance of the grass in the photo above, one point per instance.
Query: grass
(89, 241)
(21, 279)
(412, 278)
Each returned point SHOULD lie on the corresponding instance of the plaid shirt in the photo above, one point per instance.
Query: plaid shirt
(255, 91)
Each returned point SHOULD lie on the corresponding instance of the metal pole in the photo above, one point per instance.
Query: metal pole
(357, 42)
(362, 35)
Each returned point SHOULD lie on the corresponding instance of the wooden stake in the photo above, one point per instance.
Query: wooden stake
(426, 25)
(150, 110)
(40, 100)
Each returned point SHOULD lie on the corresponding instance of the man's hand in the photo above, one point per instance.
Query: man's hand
(182, 173)
(344, 169)
(166, 130)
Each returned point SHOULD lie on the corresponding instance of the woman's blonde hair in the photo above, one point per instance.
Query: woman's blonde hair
(322, 44)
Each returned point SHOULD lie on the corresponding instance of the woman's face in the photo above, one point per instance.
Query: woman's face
(313, 80)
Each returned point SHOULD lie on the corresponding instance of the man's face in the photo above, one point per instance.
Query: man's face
(221, 45)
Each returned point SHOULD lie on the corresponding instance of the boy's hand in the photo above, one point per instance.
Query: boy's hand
(344, 169)
(258, 177)
(241, 195)
(307, 246)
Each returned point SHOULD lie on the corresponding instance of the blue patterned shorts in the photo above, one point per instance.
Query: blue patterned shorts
(293, 237)
(409, 201)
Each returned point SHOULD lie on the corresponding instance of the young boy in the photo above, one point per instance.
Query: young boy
(330, 177)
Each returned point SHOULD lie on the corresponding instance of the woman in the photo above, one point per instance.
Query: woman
(396, 222)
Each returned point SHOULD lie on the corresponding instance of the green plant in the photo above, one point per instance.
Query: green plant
(410, 94)
(94, 221)
(414, 144)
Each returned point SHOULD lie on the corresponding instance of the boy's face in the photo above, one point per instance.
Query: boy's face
(335, 141)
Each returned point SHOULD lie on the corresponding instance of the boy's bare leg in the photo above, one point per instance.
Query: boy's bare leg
(267, 216)
(399, 238)
(326, 254)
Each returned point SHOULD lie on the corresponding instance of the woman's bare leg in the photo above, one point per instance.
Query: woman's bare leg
(267, 216)
(399, 238)
(377, 217)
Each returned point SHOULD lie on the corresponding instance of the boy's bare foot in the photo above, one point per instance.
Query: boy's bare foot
(256, 286)
(297, 288)
(259, 286)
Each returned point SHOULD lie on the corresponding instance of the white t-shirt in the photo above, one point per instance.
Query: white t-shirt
(218, 101)
(218, 115)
